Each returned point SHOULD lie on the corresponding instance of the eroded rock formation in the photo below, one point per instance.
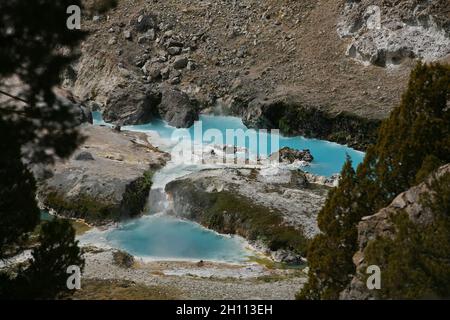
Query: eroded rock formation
(107, 178)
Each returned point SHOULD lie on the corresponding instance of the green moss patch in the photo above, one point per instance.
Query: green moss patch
(97, 211)
(344, 128)
(227, 212)
(84, 206)
(136, 193)
(96, 289)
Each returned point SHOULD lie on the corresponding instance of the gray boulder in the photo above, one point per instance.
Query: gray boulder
(174, 50)
(147, 37)
(132, 105)
(127, 34)
(165, 72)
(177, 109)
(145, 22)
(288, 155)
(84, 156)
(152, 70)
(180, 63)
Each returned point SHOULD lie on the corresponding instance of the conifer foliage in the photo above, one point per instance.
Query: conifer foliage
(35, 128)
(416, 262)
(412, 142)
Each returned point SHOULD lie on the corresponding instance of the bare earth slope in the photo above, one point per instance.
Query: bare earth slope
(255, 58)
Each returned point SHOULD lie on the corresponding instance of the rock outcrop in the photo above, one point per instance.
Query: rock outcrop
(292, 118)
(81, 111)
(381, 225)
(274, 206)
(177, 109)
(385, 33)
(133, 104)
(106, 179)
(288, 155)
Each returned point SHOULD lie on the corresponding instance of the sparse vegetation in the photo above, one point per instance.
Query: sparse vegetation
(136, 193)
(123, 259)
(84, 206)
(229, 213)
(97, 289)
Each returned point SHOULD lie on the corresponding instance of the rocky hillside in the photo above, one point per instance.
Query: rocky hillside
(256, 60)
(381, 225)
(107, 178)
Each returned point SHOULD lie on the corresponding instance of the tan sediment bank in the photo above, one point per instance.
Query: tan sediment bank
(189, 280)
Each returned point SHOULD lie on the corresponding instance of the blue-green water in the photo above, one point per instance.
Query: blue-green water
(328, 156)
(46, 216)
(98, 119)
(165, 237)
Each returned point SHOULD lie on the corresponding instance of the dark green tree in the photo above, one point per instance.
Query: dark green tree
(35, 127)
(330, 252)
(411, 143)
(19, 213)
(45, 277)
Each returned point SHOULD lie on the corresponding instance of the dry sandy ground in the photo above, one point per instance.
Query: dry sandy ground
(184, 280)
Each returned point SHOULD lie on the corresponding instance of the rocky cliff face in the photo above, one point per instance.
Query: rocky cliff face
(107, 178)
(386, 32)
(286, 114)
(254, 59)
(381, 225)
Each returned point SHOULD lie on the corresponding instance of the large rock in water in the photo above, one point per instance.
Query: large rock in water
(177, 109)
(133, 104)
(288, 155)
(380, 225)
(107, 179)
